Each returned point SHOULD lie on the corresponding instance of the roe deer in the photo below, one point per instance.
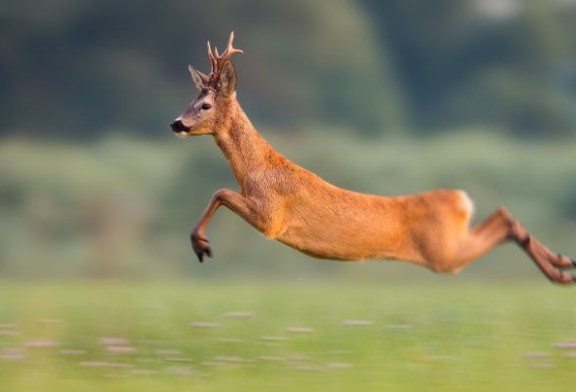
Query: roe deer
(290, 204)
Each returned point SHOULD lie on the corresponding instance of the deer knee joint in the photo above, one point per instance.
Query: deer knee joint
(220, 195)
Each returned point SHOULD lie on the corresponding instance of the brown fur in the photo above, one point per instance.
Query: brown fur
(290, 204)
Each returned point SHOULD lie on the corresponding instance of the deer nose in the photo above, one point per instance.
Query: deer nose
(177, 126)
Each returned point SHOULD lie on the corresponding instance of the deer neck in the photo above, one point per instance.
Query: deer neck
(243, 147)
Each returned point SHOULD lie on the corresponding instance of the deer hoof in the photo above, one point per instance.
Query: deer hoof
(567, 262)
(200, 255)
(200, 246)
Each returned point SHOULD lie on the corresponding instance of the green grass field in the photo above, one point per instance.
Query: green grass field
(189, 336)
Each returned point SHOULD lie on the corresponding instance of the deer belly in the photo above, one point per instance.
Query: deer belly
(366, 227)
(340, 241)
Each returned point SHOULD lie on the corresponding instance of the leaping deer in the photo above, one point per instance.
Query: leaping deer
(292, 205)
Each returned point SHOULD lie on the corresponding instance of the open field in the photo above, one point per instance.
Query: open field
(191, 336)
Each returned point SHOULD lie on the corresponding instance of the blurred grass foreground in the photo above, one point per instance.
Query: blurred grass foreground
(287, 337)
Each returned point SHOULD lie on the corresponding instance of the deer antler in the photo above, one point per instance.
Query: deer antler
(217, 61)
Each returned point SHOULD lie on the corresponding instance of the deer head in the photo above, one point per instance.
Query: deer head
(208, 113)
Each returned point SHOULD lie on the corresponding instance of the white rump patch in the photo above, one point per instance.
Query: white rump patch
(466, 203)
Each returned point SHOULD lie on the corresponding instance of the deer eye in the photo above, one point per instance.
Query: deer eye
(205, 106)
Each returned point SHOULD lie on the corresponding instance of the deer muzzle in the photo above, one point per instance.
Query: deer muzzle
(178, 127)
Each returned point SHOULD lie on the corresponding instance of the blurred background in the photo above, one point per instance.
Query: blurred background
(386, 97)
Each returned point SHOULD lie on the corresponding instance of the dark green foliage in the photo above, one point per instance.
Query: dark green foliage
(85, 67)
(461, 64)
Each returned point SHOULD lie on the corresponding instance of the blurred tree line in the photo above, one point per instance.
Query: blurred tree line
(80, 68)
(110, 72)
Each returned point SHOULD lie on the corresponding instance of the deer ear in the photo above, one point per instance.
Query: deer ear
(200, 79)
(228, 78)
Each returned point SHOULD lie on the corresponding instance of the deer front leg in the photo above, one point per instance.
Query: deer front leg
(239, 204)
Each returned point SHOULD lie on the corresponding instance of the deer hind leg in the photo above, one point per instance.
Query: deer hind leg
(502, 226)
(556, 259)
